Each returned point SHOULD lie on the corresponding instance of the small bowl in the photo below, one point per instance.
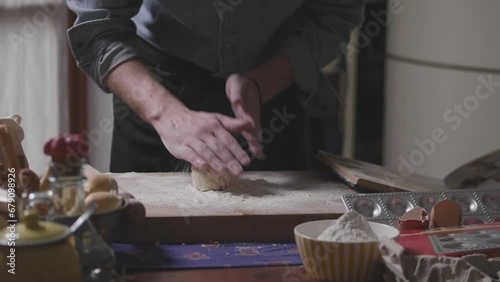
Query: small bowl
(104, 222)
(339, 261)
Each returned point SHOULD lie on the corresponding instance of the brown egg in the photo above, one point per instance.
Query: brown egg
(445, 213)
(415, 218)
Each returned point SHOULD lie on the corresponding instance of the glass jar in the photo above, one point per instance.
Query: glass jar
(97, 259)
(65, 201)
(67, 183)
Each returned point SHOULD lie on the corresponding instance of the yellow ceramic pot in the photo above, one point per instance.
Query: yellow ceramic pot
(34, 250)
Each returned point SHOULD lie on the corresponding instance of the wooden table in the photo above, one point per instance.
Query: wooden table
(177, 213)
(247, 274)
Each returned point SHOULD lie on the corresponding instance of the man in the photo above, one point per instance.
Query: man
(195, 80)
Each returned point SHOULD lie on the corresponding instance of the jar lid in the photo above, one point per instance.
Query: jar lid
(32, 231)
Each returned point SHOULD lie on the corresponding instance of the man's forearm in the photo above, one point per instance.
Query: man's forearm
(134, 84)
(273, 77)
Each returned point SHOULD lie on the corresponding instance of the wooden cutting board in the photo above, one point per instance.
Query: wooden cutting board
(265, 206)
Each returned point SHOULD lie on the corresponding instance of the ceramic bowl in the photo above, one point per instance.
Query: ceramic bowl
(339, 261)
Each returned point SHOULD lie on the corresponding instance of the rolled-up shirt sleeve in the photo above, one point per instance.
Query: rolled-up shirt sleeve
(103, 35)
(314, 36)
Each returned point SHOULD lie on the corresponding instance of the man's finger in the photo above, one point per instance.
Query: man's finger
(242, 114)
(234, 89)
(235, 149)
(209, 155)
(191, 156)
(234, 125)
(224, 155)
(254, 145)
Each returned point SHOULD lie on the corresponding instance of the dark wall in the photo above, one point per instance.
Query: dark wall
(370, 96)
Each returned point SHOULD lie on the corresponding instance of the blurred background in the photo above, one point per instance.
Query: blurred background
(420, 81)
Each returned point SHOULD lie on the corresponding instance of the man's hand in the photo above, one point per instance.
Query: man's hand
(248, 92)
(244, 95)
(204, 139)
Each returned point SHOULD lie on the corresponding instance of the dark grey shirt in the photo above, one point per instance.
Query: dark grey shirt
(222, 36)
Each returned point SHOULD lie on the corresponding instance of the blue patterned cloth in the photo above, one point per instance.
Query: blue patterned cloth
(213, 255)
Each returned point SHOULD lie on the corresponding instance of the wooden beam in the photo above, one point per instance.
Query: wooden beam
(78, 108)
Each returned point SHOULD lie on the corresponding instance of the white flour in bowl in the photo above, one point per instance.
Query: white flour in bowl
(350, 227)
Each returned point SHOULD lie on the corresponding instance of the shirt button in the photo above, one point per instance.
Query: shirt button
(228, 45)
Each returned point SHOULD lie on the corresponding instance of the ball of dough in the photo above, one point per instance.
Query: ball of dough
(105, 201)
(101, 183)
(206, 180)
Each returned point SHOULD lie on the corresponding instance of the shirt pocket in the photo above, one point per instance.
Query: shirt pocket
(275, 12)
